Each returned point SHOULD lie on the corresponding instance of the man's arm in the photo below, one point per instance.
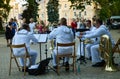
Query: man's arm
(53, 34)
(96, 33)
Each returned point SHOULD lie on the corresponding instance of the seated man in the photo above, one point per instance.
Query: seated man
(24, 36)
(62, 34)
(101, 30)
(81, 51)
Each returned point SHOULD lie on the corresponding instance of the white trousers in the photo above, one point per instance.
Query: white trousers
(84, 49)
(88, 49)
(80, 49)
(95, 53)
(33, 55)
(61, 51)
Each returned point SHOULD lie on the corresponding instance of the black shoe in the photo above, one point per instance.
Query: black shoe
(81, 58)
(25, 70)
(66, 66)
(102, 63)
(55, 67)
(99, 64)
(90, 58)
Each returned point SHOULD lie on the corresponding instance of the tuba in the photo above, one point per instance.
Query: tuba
(106, 52)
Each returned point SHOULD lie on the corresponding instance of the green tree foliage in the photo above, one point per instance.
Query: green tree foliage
(31, 11)
(104, 13)
(80, 4)
(107, 7)
(4, 11)
(114, 7)
(52, 11)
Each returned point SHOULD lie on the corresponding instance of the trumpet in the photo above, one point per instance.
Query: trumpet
(106, 52)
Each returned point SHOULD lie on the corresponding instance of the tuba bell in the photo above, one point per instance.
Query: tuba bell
(106, 53)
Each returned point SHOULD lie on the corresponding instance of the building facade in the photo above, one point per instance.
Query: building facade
(64, 10)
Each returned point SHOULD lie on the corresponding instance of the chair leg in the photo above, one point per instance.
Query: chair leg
(74, 68)
(58, 65)
(17, 63)
(25, 60)
(73, 64)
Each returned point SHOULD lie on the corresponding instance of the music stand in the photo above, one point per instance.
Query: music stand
(49, 67)
(82, 30)
(42, 38)
(46, 38)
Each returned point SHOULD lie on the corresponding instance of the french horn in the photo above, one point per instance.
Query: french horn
(106, 53)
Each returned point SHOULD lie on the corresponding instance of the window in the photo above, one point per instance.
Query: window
(85, 13)
(37, 1)
(65, 5)
(79, 14)
(74, 13)
(42, 15)
(59, 6)
(65, 14)
(74, 8)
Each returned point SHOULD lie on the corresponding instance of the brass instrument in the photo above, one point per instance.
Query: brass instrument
(88, 41)
(106, 52)
(52, 45)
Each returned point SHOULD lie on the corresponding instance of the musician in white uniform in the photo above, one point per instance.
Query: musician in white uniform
(32, 25)
(101, 30)
(81, 52)
(24, 36)
(62, 34)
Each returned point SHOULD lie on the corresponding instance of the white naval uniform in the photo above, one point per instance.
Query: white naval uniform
(94, 49)
(32, 27)
(63, 34)
(94, 42)
(87, 45)
(21, 37)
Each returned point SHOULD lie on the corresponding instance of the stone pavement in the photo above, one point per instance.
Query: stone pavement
(86, 71)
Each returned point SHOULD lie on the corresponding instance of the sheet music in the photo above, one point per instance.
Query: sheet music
(37, 36)
(41, 37)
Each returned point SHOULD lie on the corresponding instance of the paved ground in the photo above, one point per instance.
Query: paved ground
(86, 71)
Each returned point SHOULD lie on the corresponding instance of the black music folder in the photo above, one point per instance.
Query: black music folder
(81, 30)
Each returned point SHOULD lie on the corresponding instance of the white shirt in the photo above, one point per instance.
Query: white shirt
(32, 27)
(21, 37)
(91, 30)
(78, 24)
(99, 32)
(63, 34)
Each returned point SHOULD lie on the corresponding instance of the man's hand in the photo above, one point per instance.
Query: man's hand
(81, 33)
(80, 36)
